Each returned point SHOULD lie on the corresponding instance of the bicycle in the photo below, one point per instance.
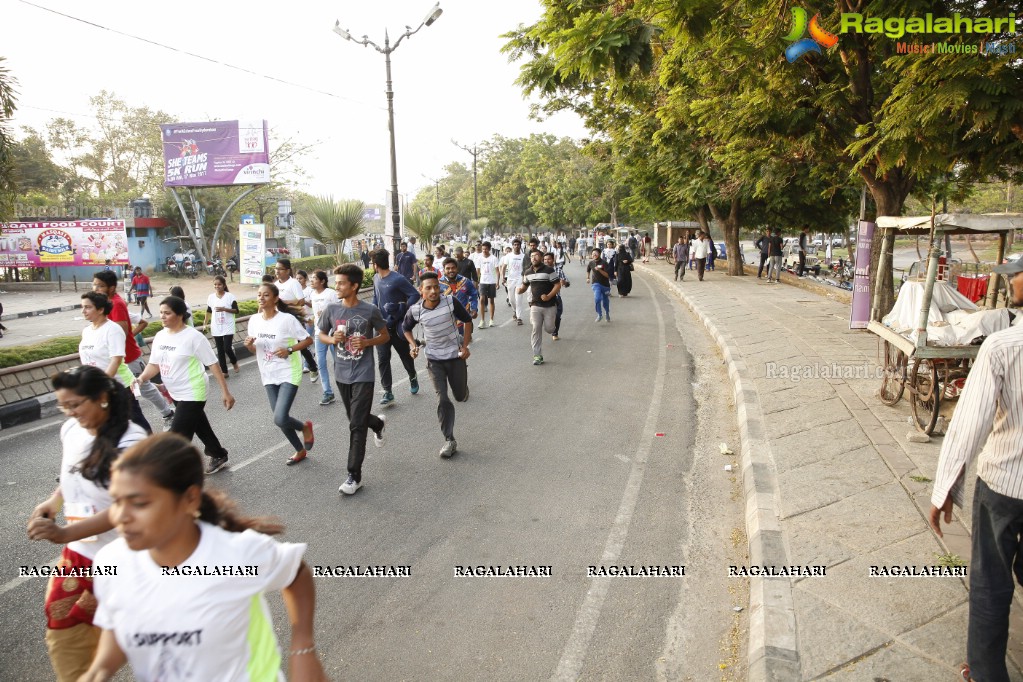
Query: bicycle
(669, 256)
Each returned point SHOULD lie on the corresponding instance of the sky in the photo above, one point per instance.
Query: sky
(450, 79)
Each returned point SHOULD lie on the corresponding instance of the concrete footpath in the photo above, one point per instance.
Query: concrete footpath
(831, 480)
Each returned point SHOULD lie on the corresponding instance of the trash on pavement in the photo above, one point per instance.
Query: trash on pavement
(728, 467)
(725, 449)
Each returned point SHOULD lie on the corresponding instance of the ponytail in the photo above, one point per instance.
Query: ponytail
(94, 384)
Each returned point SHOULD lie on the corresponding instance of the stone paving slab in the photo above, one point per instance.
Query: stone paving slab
(836, 490)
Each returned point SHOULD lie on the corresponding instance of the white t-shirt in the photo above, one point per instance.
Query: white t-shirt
(487, 265)
(183, 358)
(196, 626)
(512, 263)
(290, 291)
(98, 346)
(701, 249)
(320, 300)
(221, 324)
(280, 331)
(84, 498)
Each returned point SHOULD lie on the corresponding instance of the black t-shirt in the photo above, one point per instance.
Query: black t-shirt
(598, 276)
(776, 245)
(541, 280)
(467, 269)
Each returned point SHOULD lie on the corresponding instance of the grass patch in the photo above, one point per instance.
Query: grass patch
(921, 479)
(950, 560)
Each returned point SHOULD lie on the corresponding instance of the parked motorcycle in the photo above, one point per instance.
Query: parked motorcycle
(218, 267)
(210, 269)
(188, 269)
(232, 266)
(172, 268)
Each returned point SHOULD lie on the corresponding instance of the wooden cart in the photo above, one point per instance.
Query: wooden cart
(929, 371)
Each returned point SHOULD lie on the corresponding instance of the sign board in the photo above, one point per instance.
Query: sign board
(859, 313)
(215, 153)
(63, 243)
(252, 244)
(372, 214)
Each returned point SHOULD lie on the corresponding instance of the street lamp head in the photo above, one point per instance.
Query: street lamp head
(341, 32)
(433, 15)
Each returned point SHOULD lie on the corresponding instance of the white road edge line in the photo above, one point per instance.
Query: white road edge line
(574, 654)
(11, 584)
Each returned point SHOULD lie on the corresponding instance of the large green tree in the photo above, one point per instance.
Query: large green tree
(8, 103)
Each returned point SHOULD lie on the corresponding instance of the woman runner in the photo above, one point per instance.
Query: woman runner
(181, 356)
(221, 311)
(275, 335)
(307, 320)
(97, 429)
(102, 346)
(321, 296)
(215, 627)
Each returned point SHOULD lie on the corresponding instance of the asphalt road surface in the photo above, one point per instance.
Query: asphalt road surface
(607, 455)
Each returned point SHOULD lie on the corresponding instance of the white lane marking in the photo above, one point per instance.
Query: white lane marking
(574, 653)
(11, 584)
(275, 448)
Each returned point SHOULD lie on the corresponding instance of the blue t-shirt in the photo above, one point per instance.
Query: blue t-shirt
(393, 295)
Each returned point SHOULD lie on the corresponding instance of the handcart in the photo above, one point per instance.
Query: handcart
(930, 372)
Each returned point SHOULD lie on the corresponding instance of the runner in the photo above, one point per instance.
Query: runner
(405, 262)
(154, 393)
(180, 354)
(222, 309)
(460, 287)
(488, 267)
(511, 276)
(427, 266)
(543, 284)
(353, 326)
(103, 346)
(446, 353)
(548, 260)
(97, 429)
(320, 297)
(392, 295)
(163, 613)
(292, 294)
(307, 321)
(275, 334)
(142, 288)
(105, 282)
(178, 292)
(466, 266)
(599, 280)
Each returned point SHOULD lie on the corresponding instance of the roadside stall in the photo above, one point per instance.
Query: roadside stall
(930, 338)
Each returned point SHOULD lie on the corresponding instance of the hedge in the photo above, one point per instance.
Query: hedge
(327, 264)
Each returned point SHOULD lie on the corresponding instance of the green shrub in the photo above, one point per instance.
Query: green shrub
(311, 263)
(51, 348)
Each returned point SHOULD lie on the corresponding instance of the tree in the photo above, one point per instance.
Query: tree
(8, 103)
(35, 169)
(333, 222)
(427, 224)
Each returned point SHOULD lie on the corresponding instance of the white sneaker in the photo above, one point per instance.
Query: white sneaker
(350, 486)
(450, 447)
(378, 437)
(313, 378)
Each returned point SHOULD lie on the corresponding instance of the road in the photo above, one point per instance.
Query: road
(605, 455)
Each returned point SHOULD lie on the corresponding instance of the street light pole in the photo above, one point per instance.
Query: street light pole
(475, 193)
(386, 50)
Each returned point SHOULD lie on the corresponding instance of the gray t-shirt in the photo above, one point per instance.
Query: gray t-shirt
(353, 366)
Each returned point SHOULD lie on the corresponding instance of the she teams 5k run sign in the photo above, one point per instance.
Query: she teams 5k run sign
(215, 153)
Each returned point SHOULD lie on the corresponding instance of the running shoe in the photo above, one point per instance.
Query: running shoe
(537, 360)
(608, 318)
(413, 384)
(600, 318)
(237, 369)
(483, 324)
(168, 419)
(378, 436)
(554, 337)
(387, 399)
(350, 486)
(305, 370)
(541, 359)
(450, 448)
(327, 399)
(308, 439)
(314, 377)
(518, 321)
(296, 458)
(216, 464)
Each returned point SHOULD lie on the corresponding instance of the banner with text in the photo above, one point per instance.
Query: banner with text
(215, 153)
(252, 242)
(859, 314)
(63, 243)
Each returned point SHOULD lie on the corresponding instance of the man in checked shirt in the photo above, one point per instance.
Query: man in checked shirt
(989, 420)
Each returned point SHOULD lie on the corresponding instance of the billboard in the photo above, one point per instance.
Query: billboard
(252, 243)
(215, 153)
(859, 312)
(63, 243)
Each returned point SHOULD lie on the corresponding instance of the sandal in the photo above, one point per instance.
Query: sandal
(299, 456)
(964, 672)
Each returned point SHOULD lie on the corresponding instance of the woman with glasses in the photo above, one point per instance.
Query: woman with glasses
(103, 346)
(181, 355)
(97, 429)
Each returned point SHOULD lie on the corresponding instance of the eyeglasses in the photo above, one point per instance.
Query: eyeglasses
(68, 408)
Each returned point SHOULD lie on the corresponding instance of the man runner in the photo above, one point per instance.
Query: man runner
(488, 266)
(543, 284)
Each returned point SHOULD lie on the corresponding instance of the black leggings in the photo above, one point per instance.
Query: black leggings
(225, 351)
(310, 360)
(190, 420)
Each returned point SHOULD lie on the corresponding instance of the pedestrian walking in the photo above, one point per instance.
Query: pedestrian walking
(763, 245)
(276, 333)
(804, 244)
(405, 262)
(221, 312)
(548, 260)
(354, 326)
(97, 429)
(466, 268)
(623, 270)
(599, 279)
(680, 252)
(181, 355)
(701, 250)
(213, 627)
(392, 295)
(511, 276)
(142, 288)
(712, 252)
(647, 245)
(988, 422)
(320, 298)
(489, 272)
(447, 349)
(633, 244)
(543, 284)
(775, 250)
(292, 294)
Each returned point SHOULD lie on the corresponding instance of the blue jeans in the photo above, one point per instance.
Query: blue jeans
(281, 397)
(601, 296)
(321, 360)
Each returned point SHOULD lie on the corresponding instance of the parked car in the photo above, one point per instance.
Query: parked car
(790, 257)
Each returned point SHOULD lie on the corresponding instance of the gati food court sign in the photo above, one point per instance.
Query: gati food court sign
(63, 243)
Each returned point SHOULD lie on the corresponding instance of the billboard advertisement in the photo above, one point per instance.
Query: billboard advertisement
(859, 313)
(252, 244)
(215, 153)
(63, 243)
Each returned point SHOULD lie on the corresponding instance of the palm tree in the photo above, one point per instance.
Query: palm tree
(8, 185)
(427, 224)
(333, 222)
(476, 227)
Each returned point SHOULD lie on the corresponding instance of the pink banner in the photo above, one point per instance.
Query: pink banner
(859, 313)
(63, 243)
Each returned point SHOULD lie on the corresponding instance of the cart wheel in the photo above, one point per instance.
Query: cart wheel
(926, 395)
(893, 383)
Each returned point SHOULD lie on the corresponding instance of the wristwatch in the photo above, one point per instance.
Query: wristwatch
(290, 350)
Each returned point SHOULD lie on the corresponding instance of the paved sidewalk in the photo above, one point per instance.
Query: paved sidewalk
(828, 474)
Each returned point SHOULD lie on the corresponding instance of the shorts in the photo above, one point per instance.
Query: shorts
(488, 290)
